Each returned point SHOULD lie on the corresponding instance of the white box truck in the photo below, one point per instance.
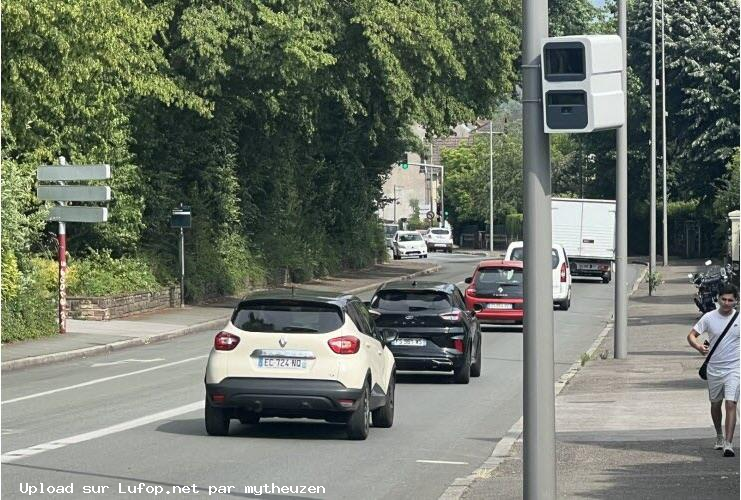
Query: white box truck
(586, 230)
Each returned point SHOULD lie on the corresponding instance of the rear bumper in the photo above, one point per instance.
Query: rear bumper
(271, 397)
(500, 315)
(439, 246)
(441, 362)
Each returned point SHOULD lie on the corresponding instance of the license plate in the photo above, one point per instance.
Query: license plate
(290, 363)
(414, 342)
(439, 244)
(586, 266)
(498, 306)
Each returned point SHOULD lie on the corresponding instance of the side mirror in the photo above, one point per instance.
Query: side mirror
(374, 314)
(389, 335)
(708, 262)
(468, 280)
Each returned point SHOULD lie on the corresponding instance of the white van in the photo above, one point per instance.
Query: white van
(561, 272)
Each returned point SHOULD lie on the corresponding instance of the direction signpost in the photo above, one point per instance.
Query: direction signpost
(63, 213)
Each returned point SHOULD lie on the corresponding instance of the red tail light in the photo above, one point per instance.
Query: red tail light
(225, 341)
(563, 273)
(458, 345)
(471, 291)
(344, 345)
(452, 316)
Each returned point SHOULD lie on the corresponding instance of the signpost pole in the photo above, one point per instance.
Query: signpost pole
(62, 240)
(182, 268)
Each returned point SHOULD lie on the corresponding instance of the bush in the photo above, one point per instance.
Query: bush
(100, 275)
(30, 313)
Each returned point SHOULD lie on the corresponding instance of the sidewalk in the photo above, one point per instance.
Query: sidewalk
(88, 338)
(634, 428)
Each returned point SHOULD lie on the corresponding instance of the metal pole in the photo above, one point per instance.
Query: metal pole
(491, 185)
(442, 196)
(652, 211)
(539, 451)
(182, 267)
(665, 241)
(62, 240)
(621, 207)
(395, 201)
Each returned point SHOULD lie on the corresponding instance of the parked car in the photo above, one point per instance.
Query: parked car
(435, 330)
(495, 293)
(561, 271)
(301, 354)
(409, 244)
(389, 230)
(440, 238)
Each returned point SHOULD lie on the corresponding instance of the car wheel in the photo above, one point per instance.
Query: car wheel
(249, 419)
(476, 367)
(462, 375)
(384, 416)
(217, 420)
(396, 257)
(450, 250)
(359, 423)
(606, 278)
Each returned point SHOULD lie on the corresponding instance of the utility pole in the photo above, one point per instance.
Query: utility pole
(395, 202)
(652, 210)
(621, 206)
(491, 185)
(665, 241)
(539, 451)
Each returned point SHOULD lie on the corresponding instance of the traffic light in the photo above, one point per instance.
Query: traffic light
(438, 208)
(404, 164)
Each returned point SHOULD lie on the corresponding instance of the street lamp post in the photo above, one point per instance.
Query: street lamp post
(665, 239)
(491, 182)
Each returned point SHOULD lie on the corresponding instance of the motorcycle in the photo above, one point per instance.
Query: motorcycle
(708, 284)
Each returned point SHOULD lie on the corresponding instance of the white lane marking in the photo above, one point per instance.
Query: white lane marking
(125, 361)
(12, 456)
(444, 462)
(99, 380)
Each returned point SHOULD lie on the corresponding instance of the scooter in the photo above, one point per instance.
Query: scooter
(708, 284)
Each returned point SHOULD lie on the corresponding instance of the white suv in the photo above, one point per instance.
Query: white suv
(301, 354)
(409, 244)
(561, 272)
(440, 238)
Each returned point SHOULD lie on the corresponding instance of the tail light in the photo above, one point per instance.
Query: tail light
(471, 291)
(604, 267)
(346, 344)
(225, 341)
(458, 345)
(563, 273)
(452, 316)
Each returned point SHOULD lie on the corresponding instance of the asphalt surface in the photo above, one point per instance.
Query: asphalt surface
(136, 416)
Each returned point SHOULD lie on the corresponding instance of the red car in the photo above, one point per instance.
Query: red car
(495, 292)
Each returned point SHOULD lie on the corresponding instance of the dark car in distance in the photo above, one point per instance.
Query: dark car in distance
(435, 330)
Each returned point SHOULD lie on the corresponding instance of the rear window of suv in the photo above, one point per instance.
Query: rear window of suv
(518, 253)
(441, 231)
(287, 317)
(499, 281)
(409, 301)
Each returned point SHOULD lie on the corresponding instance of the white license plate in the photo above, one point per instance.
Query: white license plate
(290, 363)
(586, 266)
(498, 305)
(439, 244)
(414, 342)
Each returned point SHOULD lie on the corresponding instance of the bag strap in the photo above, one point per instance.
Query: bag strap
(728, 327)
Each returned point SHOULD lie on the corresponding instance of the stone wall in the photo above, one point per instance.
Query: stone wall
(119, 306)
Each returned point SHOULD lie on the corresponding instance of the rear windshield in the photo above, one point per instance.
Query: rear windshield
(441, 231)
(287, 317)
(410, 237)
(408, 301)
(501, 281)
(517, 254)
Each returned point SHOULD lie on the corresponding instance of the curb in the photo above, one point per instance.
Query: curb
(502, 450)
(17, 364)
(423, 272)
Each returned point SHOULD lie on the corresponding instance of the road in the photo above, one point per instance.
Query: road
(135, 416)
